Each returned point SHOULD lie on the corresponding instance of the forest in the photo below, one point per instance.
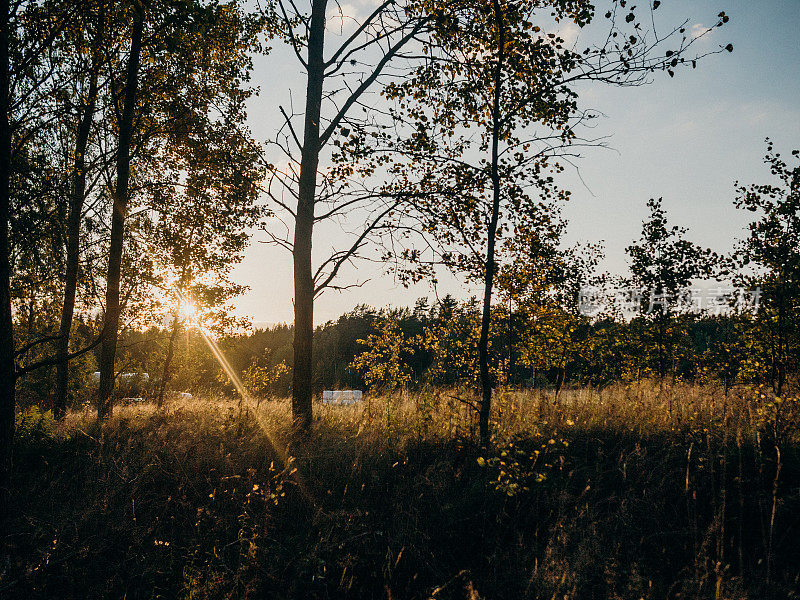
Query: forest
(559, 429)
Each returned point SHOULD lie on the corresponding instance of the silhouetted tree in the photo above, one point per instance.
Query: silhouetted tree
(338, 81)
(663, 264)
(773, 250)
(493, 70)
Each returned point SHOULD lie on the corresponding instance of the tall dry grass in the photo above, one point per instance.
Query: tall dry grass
(641, 491)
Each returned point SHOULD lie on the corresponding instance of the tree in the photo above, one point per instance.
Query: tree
(772, 249)
(192, 91)
(198, 226)
(7, 367)
(385, 364)
(24, 38)
(120, 197)
(723, 347)
(544, 281)
(663, 264)
(492, 69)
(335, 94)
(260, 378)
(95, 23)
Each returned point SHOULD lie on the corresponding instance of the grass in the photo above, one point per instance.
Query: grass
(629, 492)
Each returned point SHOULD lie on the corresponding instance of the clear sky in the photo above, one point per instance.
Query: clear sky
(686, 139)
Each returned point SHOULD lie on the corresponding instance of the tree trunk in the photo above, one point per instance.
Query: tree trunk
(510, 346)
(483, 342)
(73, 242)
(661, 328)
(560, 376)
(108, 348)
(7, 370)
(302, 375)
(168, 359)
(781, 356)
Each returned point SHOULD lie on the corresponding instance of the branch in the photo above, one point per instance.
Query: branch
(469, 403)
(368, 82)
(292, 38)
(50, 362)
(358, 32)
(345, 255)
(41, 340)
(291, 129)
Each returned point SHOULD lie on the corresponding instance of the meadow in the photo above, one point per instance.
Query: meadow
(638, 491)
(191, 190)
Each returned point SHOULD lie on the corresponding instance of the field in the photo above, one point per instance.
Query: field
(628, 492)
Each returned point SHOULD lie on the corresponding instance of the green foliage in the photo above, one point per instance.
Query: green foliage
(261, 379)
(663, 264)
(384, 364)
(769, 258)
(34, 426)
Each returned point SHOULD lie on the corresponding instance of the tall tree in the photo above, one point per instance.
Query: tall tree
(772, 249)
(494, 70)
(94, 20)
(119, 212)
(7, 367)
(663, 265)
(26, 34)
(186, 134)
(335, 97)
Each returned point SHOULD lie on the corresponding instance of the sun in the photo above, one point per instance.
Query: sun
(188, 310)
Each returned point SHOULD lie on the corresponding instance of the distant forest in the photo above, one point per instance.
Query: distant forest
(432, 344)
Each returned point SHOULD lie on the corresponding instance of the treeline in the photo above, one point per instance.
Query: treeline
(434, 344)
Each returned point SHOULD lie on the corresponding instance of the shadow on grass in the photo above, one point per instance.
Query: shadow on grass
(196, 503)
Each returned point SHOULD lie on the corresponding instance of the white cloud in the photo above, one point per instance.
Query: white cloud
(569, 33)
(342, 17)
(698, 29)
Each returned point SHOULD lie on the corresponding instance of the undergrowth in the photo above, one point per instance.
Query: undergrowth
(630, 492)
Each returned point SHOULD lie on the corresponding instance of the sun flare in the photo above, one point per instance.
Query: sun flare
(188, 310)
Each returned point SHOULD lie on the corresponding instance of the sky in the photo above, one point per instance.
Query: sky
(686, 139)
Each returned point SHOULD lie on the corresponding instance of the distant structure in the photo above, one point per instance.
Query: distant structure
(341, 396)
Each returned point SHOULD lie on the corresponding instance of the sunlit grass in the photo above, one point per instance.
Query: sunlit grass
(630, 491)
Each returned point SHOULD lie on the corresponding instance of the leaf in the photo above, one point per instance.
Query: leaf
(656, 4)
(481, 461)
(630, 17)
(729, 47)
